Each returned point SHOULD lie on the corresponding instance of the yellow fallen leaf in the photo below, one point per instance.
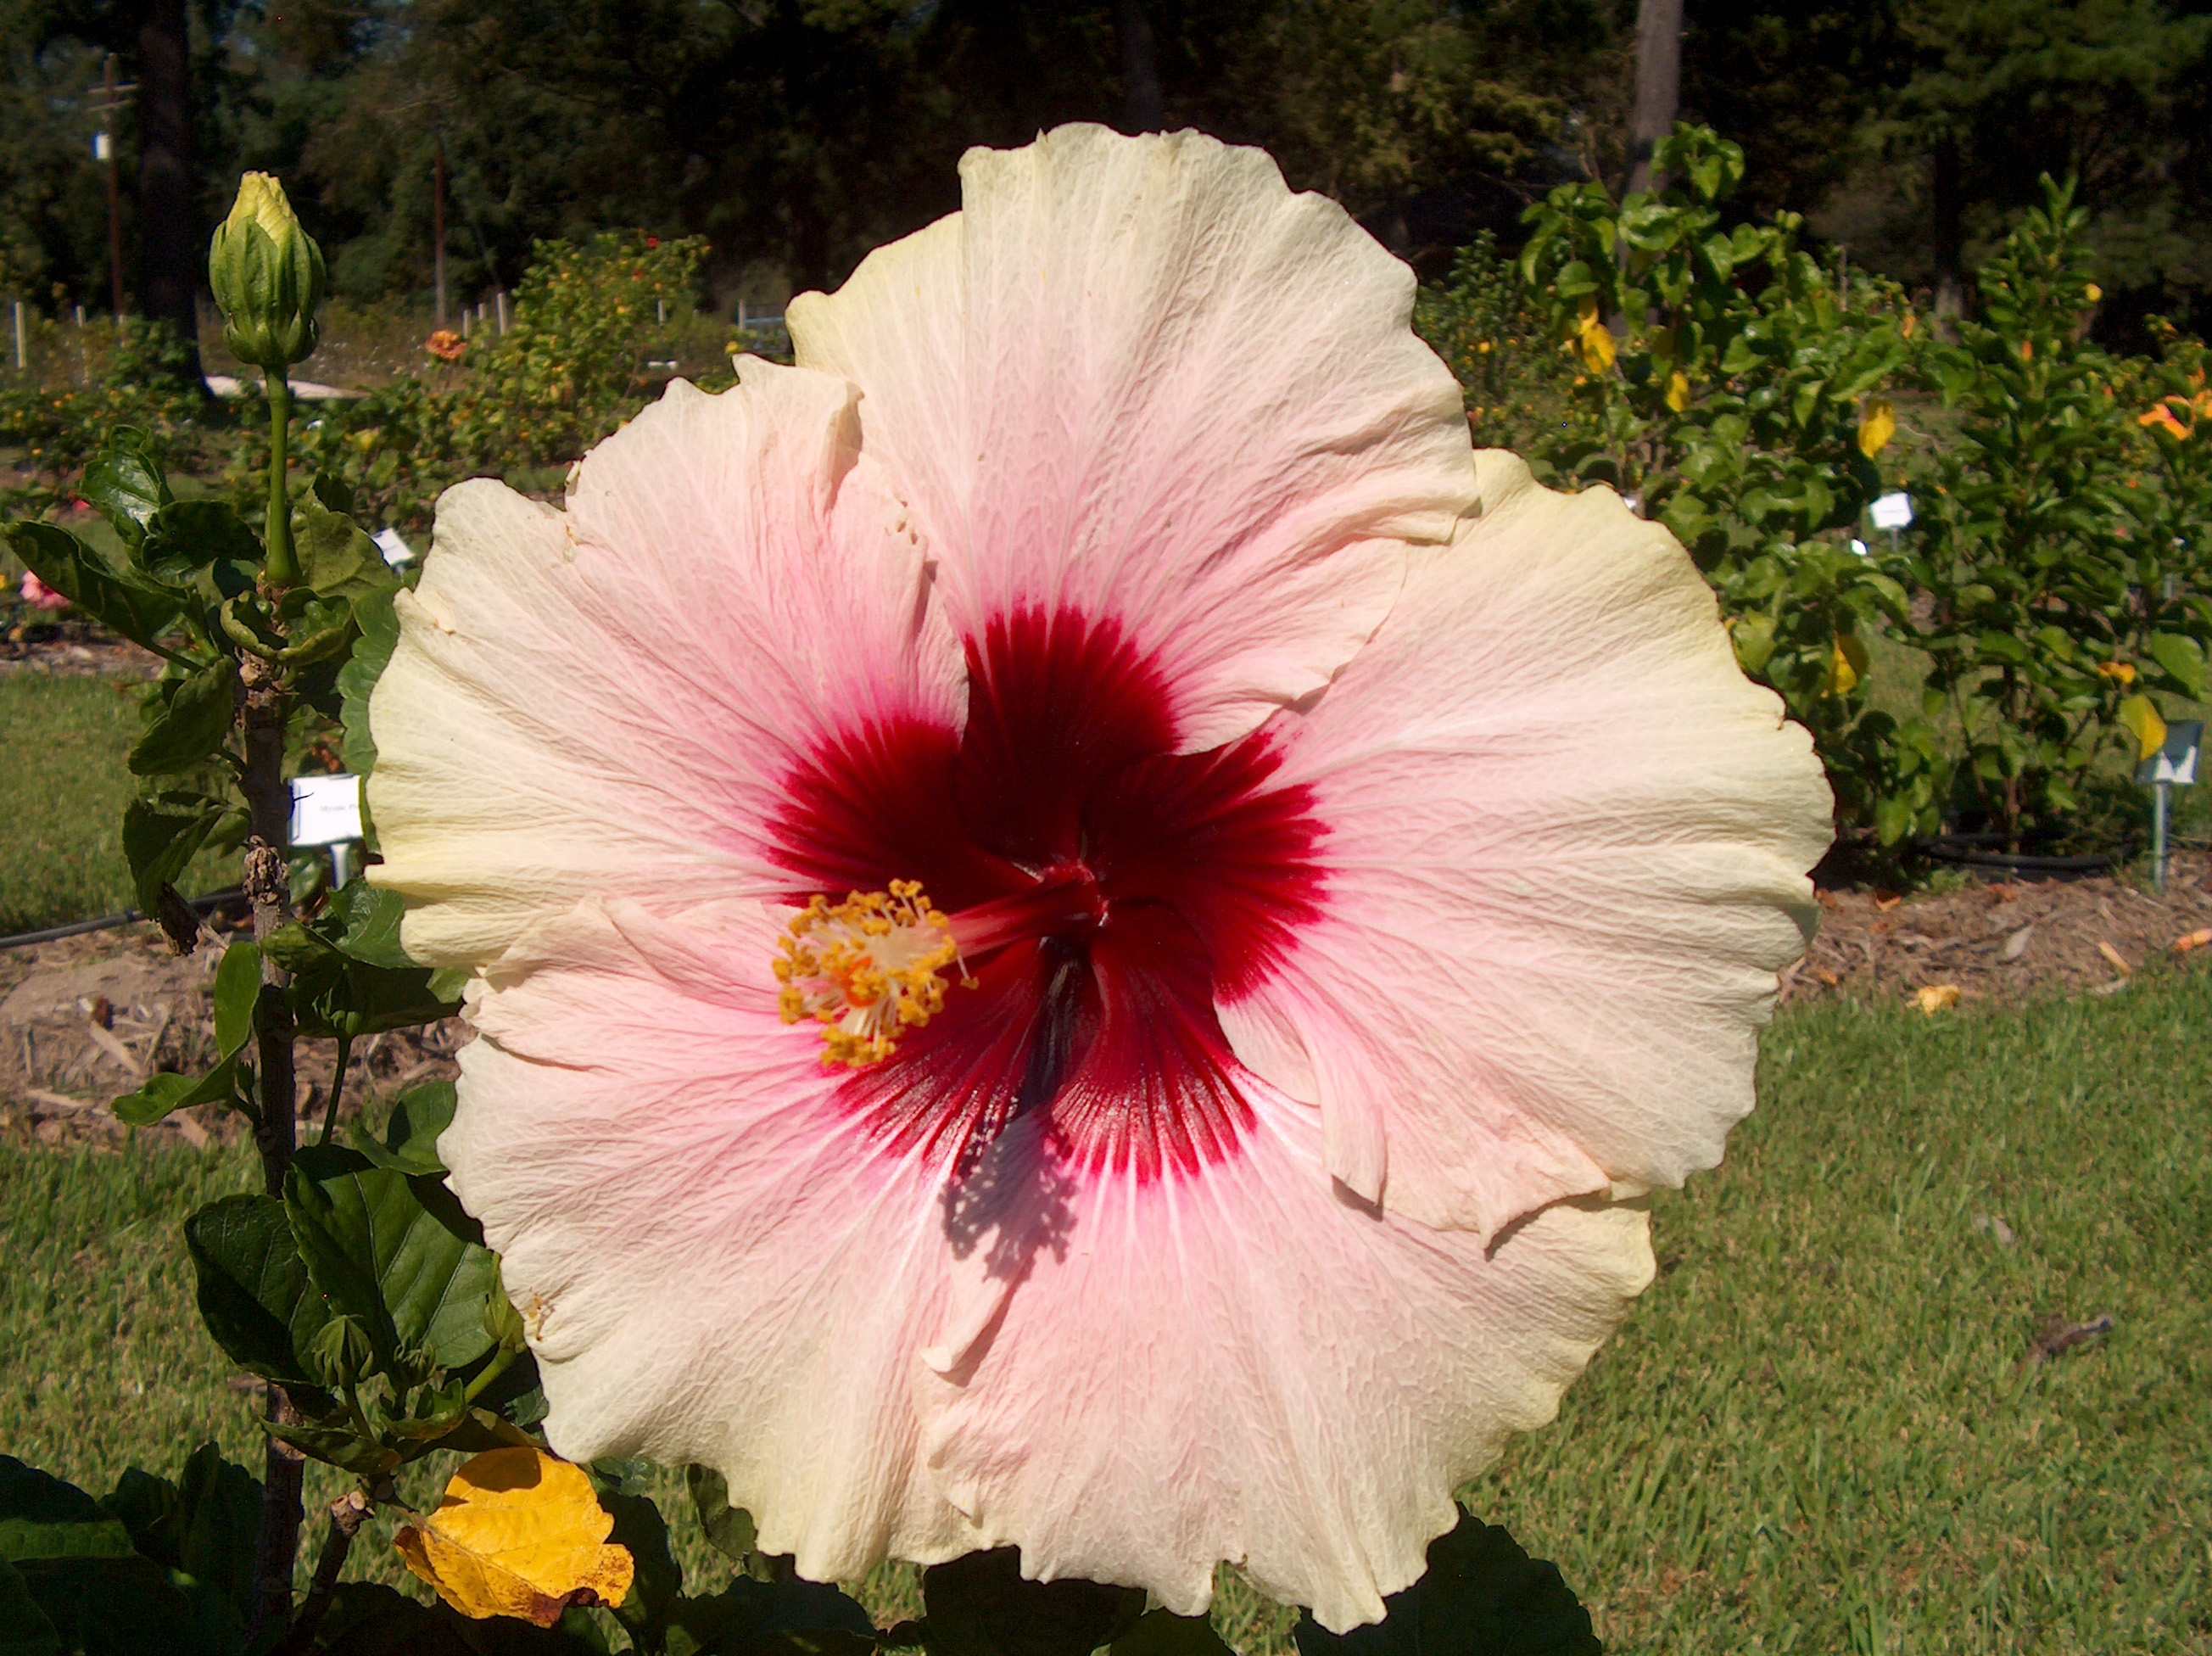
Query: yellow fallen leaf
(2196, 940)
(1877, 425)
(1937, 997)
(2139, 716)
(519, 1533)
(1678, 391)
(2119, 961)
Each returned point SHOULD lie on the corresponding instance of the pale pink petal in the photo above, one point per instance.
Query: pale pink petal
(1243, 1365)
(1566, 857)
(715, 1261)
(1139, 381)
(608, 701)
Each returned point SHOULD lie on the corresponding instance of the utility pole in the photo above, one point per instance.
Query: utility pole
(1658, 85)
(103, 150)
(438, 218)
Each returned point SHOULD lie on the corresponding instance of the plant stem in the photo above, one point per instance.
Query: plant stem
(268, 888)
(347, 1513)
(338, 1086)
(280, 568)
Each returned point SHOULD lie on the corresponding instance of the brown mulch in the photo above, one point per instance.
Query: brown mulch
(85, 1020)
(2006, 940)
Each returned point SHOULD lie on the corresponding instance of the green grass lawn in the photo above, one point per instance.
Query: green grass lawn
(62, 742)
(1814, 1434)
(63, 786)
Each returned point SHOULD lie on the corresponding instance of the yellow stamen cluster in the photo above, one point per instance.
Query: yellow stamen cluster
(866, 969)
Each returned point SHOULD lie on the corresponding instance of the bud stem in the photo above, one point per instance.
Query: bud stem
(280, 568)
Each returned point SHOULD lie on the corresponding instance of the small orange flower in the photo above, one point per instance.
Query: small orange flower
(446, 346)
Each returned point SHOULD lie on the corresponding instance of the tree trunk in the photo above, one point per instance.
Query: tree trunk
(169, 245)
(1948, 225)
(1145, 109)
(1658, 84)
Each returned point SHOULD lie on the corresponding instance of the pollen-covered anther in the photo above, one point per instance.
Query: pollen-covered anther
(866, 969)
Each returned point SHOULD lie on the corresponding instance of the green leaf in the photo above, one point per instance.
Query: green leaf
(729, 1529)
(253, 1291)
(185, 536)
(372, 653)
(771, 1618)
(334, 993)
(163, 1095)
(336, 557)
(659, 1578)
(138, 611)
(395, 1252)
(205, 1524)
(342, 1446)
(1482, 1596)
(2183, 657)
(162, 834)
(370, 917)
(42, 1517)
(194, 718)
(125, 485)
(980, 1605)
(237, 992)
(1159, 1633)
(411, 1137)
(75, 1562)
(24, 1629)
(367, 1618)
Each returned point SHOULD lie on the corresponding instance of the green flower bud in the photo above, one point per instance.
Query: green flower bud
(268, 276)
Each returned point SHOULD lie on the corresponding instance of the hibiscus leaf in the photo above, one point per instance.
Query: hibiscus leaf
(138, 609)
(1483, 1596)
(729, 1529)
(394, 1251)
(124, 483)
(336, 555)
(411, 1137)
(253, 1290)
(370, 915)
(196, 714)
(771, 1618)
(161, 833)
(24, 1628)
(659, 1578)
(980, 1605)
(1162, 1633)
(74, 1563)
(357, 680)
(185, 536)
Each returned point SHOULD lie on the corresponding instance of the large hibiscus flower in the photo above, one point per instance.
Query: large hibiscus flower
(1087, 928)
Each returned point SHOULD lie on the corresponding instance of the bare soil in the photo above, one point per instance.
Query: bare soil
(85, 1020)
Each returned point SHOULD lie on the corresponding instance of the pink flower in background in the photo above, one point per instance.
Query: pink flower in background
(1087, 928)
(40, 596)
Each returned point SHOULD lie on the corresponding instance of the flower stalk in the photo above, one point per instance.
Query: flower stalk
(282, 566)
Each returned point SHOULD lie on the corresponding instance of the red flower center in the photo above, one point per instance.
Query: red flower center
(1105, 889)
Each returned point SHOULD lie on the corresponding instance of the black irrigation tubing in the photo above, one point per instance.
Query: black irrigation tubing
(2020, 861)
(77, 927)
